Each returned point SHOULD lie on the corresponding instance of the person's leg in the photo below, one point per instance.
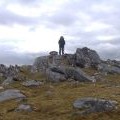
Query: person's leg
(59, 50)
(62, 50)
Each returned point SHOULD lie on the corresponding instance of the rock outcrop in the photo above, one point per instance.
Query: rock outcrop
(82, 58)
(9, 71)
(40, 64)
(60, 68)
(109, 67)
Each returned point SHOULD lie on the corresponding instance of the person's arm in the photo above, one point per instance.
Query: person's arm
(64, 42)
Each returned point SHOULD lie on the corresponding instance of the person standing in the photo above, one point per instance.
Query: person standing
(61, 43)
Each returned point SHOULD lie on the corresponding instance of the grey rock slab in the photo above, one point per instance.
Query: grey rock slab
(10, 94)
(78, 74)
(55, 76)
(63, 73)
(89, 105)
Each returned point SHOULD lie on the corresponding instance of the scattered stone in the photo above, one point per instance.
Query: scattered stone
(49, 93)
(10, 94)
(32, 83)
(53, 53)
(98, 77)
(91, 105)
(1, 87)
(74, 83)
(24, 107)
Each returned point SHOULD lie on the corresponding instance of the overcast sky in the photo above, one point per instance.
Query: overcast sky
(30, 28)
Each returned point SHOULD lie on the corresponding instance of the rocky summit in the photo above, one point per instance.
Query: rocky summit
(79, 86)
(58, 67)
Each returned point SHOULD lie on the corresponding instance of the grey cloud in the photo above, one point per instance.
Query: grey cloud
(13, 58)
(73, 25)
(9, 56)
(111, 16)
(24, 2)
(61, 17)
(89, 39)
(115, 42)
(104, 51)
(109, 52)
(9, 18)
(64, 19)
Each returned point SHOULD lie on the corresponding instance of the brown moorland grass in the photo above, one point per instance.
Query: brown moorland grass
(54, 101)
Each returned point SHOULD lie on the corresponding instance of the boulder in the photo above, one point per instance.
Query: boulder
(10, 94)
(53, 53)
(12, 79)
(62, 73)
(55, 76)
(77, 74)
(40, 64)
(87, 58)
(91, 105)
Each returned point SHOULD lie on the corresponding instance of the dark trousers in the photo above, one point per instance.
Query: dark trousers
(61, 50)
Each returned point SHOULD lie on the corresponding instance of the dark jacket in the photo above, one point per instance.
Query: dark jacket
(61, 42)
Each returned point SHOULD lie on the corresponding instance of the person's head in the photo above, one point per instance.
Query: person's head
(61, 37)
